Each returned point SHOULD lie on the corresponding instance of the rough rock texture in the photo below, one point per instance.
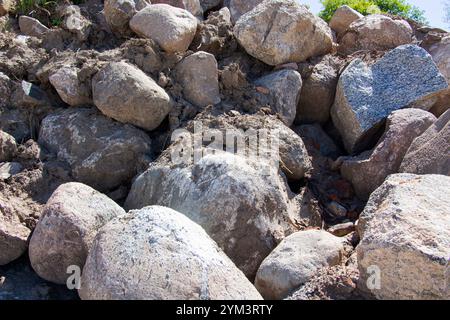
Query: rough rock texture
(125, 93)
(369, 170)
(8, 146)
(67, 228)
(295, 261)
(172, 28)
(190, 266)
(319, 139)
(13, 240)
(429, 153)
(74, 22)
(240, 7)
(193, 6)
(440, 52)
(405, 232)
(6, 6)
(284, 93)
(32, 27)
(100, 152)
(5, 89)
(118, 14)
(199, 77)
(69, 88)
(343, 17)
(243, 204)
(375, 32)
(318, 92)
(8, 169)
(27, 94)
(294, 159)
(277, 32)
(366, 95)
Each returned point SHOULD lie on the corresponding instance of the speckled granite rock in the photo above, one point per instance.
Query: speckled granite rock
(366, 95)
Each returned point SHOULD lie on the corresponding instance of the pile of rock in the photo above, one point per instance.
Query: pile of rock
(120, 151)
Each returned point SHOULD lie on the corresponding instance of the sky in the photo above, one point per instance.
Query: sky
(434, 10)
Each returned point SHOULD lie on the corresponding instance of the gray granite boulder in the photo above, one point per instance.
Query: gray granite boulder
(367, 94)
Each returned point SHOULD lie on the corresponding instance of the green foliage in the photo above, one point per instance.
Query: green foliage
(396, 7)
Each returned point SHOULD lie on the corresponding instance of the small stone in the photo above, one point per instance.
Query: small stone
(32, 27)
(199, 78)
(13, 240)
(8, 147)
(343, 17)
(297, 259)
(342, 229)
(172, 28)
(337, 209)
(30, 95)
(8, 169)
(69, 88)
(284, 92)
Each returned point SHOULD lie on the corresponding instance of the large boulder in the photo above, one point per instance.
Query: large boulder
(405, 239)
(240, 7)
(71, 90)
(199, 77)
(284, 93)
(193, 6)
(366, 95)
(440, 52)
(369, 170)
(173, 29)
(279, 31)
(296, 259)
(67, 228)
(118, 14)
(294, 159)
(375, 32)
(125, 93)
(242, 203)
(8, 146)
(32, 27)
(318, 92)
(159, 254)
(100, 152)
(342, 18)
(429, 153)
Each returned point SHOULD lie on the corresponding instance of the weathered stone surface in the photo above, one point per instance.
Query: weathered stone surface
(5, 89)
(193, 6)
(100, 152)
(278, 31)
(429, 153)
(366, 95)
(67, 228)
(32, 27)
(125, 93)
(190, 266)
(172, 28)
(295, 261)
(375, 32)
(244, 211)
(318, 92)
(405, 233)
(118, 14)
(294, 159)
(343, 17)
(75, 22)
(369, 170)
(199, 77)
(240, 7)
(284, 92)
(8, 146)
(8, 169)
(13, 240)
(69, 88)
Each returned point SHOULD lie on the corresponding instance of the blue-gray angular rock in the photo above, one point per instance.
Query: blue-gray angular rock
(366, 95)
